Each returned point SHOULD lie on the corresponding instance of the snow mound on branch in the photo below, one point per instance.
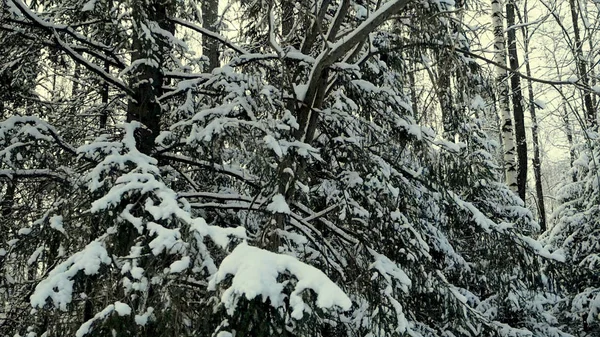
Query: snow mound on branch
(122, 308)
(279, 205)
(56, 222)
(180, 265)
(86, 327)
(143, 319)
(58, 286)
(388, 269)
(255, 272)
(142, 176)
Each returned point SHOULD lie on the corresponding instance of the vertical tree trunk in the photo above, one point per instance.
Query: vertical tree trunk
(7, 201)
(76, 75)
(501, 75)
(593, 80)
(444, 93)
(210, 47)
(590, 111)
(517, 100)
(569, 133)
(537, 162)
(413, 93)
(148, 80)
(104, 96)
(105, 87)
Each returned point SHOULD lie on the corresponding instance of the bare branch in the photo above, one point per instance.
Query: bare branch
(210, 34)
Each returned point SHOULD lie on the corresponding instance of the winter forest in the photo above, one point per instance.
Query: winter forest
(310, 168)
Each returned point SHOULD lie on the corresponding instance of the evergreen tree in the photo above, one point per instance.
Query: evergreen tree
(576, 234)
(289, 191)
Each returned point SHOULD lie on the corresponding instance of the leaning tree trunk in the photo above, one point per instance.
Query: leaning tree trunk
(517, 100)
(501, 76)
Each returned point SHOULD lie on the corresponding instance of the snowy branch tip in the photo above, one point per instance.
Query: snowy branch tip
(255, 272)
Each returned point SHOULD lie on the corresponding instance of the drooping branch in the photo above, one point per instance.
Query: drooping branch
(241, 176)
(53, 29)
(33, 173)
(210, 34)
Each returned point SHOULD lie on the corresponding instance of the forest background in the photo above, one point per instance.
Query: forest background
(299, 168)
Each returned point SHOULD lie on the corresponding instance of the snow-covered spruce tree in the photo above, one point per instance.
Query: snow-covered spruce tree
(502, 279)
(287, 192)
(576, 234)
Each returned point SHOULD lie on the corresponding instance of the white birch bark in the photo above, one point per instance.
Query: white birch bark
(508, 138)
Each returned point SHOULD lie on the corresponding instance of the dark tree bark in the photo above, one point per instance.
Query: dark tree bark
(536, 161)
(7, 200)
(517, 102)
(590, 111)
(210, 47)
(148, 79)
(444, 92)
(104, 95)
(569, 133)
(593, 77)
(413, 94)
(105, 86)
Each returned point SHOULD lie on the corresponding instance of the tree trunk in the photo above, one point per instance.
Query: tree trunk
(444, 93)
(210, 47)
(593, 80)
(105, 87)
(501, 75)
(8, 199)
(569, 133)
(104, 95)
(413, 93)
(517, 100)
(590, 111)
(148, 80)
(537, 162)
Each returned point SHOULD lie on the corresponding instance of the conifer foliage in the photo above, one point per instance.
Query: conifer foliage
(290, 191)
(577, 236)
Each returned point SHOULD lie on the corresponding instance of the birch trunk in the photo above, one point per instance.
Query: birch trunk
(508, 139)
(517, 101)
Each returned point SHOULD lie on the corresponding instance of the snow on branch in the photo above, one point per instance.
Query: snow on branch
(489, 225)
(255, 273)
(22, 131)
(58, 286)
(120, 308)
(53, 28)
(210, 34)
(144, 178)
(337, 49)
